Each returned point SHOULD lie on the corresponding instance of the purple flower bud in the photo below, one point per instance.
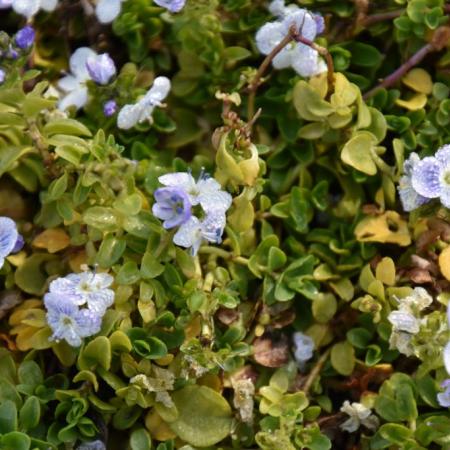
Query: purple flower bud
(101, 68)
(12, 54)
(19, 244)
(25, 37)
(109, 108)
(320, 23)
(2, 76)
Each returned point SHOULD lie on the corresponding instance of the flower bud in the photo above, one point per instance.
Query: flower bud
(101, 68)
(25, 37)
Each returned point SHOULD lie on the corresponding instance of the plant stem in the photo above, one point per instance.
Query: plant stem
(293, 35)
(253, 87)
(397, 74)
(315, 371)
(221, 253)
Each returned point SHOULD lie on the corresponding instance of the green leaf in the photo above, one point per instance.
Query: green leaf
(97, 353)
(15, 441)
(30, 413)
(110, 251)
(357, 153)
(8, 417)
(66, 126)
(395, 433)
(343, 358)
(140, 440)
(204, 416)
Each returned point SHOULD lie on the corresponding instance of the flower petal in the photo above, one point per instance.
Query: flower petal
(158, 92)
(189, 235)
(447, 357)
(77, 98)
(5, 4)
(107, 10)
(268, 36)
(426, 176)
(27, 8)
(8, 236)
(78, 62)
(129, 116)
(69, 83)
(49, 5)
(305, 61)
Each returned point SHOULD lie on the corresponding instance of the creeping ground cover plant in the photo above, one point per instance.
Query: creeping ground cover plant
(224, 225)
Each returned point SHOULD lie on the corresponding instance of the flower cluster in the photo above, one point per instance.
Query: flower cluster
(406, 320)
(10, 239)
(76, 304)
(359, 415)
(302, 58)
(175, 202)
(85, 65)
(130, 115)
(29, 8)
(426, 179)
(11, 48)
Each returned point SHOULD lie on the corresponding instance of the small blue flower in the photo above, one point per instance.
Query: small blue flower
(139, 112)
(444, 397)
(101, 68)
(303, 347)
(409, 197)
(192, 233)
(10, 239)
(2, 76)
(25, 37)
(431, 176)
(68, 322)
(206, 191)
(172, 206)
(110, 108)
(85, 288)
(173, 6)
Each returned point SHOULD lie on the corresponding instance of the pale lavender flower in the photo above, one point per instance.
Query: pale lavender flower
(193, 232)
(10, 239)
(29, 8)
(107, 10)
(110, 108)
(320, 23)
(132, 114)
(303, 347)
(101, 68)
(431, 176)
(173, 6)
(206, 191)
(85, 288)
(2, 76)
(444, 397)
(408, 195)
(68, 322)
(302, 58)
(74, 84)
(25, 37)
(172, 206)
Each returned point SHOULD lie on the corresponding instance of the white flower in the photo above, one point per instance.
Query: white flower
(417, 301)
(447, 357)
(404, 321)
(107, 10)
(74, 84)
(85, 288)
(68, 322)
(29, 8)
(302, 58)
(192, 233)
(359, 415)
(130, 115)
(206, 191)
(401, 341)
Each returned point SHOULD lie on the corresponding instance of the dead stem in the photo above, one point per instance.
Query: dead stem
(440, 39)
(315, 371)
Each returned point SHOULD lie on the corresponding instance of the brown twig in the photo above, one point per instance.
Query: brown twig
(293, 35)
(440, 39)
(315, 371)
(253, 87)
